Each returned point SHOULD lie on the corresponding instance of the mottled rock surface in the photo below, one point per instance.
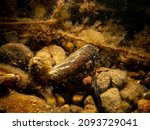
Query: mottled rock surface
(103, 81)
(133, 91)
(118, 77)
(16, 102)
(111, 100)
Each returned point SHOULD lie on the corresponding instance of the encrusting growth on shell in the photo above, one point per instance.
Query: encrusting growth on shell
(75, 61)
(44, 61)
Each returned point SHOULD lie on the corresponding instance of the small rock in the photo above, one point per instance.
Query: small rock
(76, 109)
(78, 98)
(103, 81)
(21, 103)
(111, 100)
(89, 108)
(133, 91)
(118, 77)
(144, 105)
(63, 109)
(89, 100)
(87, 80)
(59, 100)
(126, 107)
(51, 101)
(69, 47)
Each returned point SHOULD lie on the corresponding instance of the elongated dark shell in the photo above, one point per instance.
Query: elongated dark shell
(15, 54)
(75, 61)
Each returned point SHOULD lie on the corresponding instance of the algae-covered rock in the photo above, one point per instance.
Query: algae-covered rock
(111, 100)
(103, 81)
(133, 91)
(21, 103)
(118, 77)
(126, 107)
(15, 54)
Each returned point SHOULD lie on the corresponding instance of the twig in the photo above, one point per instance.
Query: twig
(105, 46)
(49, 22)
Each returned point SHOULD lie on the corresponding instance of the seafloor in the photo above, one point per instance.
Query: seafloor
(78, 56)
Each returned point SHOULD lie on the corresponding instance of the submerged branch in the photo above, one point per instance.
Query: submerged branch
(145, 57)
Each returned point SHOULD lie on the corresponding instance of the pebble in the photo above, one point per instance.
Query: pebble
(126, 107)
(50, 100)
(103, 81)
(69, 47)
(87, 80)
(89, 108)
(144, 105)
(78, 98)
(60, 101)
(89, 100)
(65, 108)
(76, 109)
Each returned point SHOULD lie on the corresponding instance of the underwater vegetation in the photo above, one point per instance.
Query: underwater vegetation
(74, 56)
